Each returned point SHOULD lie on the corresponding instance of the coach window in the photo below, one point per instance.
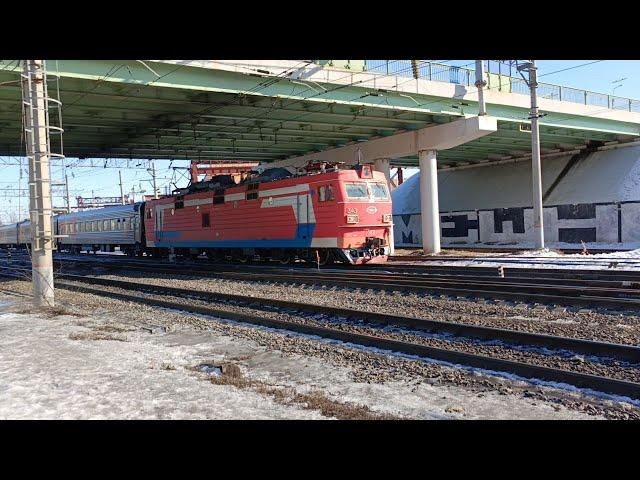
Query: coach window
(206, 223)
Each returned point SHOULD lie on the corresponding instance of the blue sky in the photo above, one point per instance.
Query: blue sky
(597, 77)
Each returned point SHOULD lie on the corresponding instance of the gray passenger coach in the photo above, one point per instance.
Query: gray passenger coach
(103, 229)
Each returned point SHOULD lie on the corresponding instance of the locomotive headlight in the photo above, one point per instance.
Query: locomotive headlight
(352, 219)
(387, 218)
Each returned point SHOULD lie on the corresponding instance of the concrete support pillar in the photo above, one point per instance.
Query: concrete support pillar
(40, 204)
(383, 165)
(429, 205)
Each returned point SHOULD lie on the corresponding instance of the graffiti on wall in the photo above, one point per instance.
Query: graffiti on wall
(605, 223)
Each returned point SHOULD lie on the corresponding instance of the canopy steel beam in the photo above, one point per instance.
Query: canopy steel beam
(441, 137)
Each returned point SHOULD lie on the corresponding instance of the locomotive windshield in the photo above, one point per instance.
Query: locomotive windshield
(377, 191)
(357, 190)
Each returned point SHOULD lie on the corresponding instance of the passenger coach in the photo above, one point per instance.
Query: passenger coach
(103, 229)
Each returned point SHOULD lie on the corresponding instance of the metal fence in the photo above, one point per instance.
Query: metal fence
(500, 77)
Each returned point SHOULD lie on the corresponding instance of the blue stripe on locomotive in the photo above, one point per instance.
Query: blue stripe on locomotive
(304, 235)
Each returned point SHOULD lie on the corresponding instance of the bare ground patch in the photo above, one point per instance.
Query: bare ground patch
(113, 328)
(316, 400)
(48, 312)
(97, 335)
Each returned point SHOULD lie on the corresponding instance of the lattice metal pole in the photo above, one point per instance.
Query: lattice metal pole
(37, 142)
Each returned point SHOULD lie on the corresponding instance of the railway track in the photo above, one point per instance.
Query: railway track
(606, 291)
(508, 269)
(139, 293)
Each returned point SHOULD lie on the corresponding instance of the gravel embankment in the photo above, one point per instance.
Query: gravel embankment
(608, 368)
(591, 325)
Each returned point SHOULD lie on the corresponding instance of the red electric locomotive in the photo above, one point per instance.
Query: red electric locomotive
(328, 214)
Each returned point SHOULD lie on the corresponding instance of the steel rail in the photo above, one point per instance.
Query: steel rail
(524, 370)
(459, 270)
(625, 298)
(627, 353)
(410, 272)
(558, 294)
(622, 287)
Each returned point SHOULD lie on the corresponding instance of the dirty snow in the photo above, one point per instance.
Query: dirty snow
(46, 375)
(623, 260)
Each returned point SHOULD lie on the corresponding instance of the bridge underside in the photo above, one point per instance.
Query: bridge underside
(121, 109)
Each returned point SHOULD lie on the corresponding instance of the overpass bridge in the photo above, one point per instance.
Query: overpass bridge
(290, 111)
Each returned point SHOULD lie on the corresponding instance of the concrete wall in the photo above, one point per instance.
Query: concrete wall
(597, 202)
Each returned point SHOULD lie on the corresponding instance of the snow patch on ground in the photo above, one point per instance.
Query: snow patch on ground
(623, 260)
(46, 375)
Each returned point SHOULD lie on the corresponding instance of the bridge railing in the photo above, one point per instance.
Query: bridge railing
(506, 82)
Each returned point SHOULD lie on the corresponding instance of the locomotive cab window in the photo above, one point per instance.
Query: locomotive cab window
(379, 191)
(206, 220)
(357, 190)
(326, 193)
